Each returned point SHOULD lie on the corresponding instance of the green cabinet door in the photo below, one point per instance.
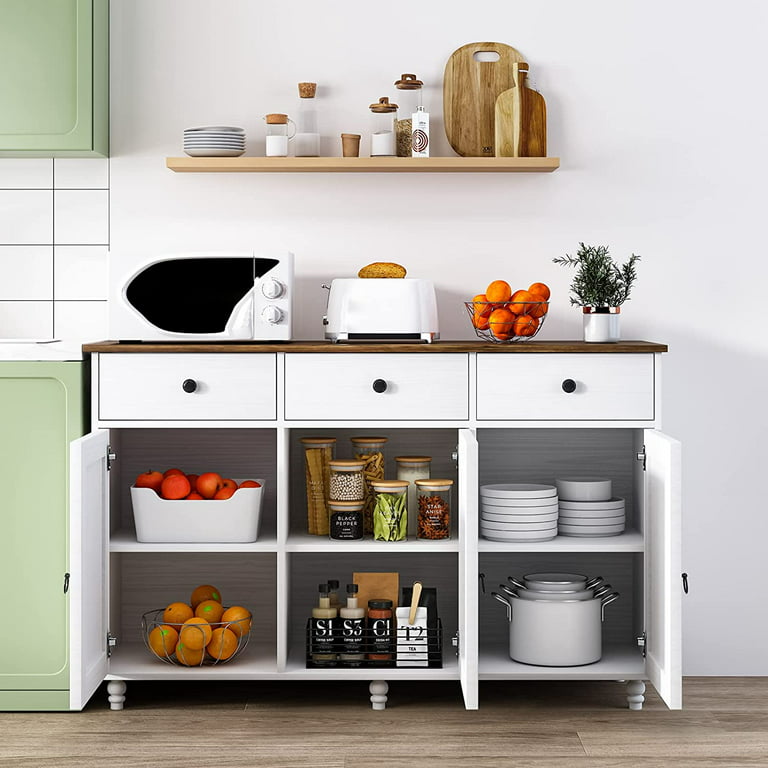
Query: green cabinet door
(54, 77)
(40, 413)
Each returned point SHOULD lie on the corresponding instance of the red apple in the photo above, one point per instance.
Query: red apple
(224, 493)
(173, 471)
(208, 483)
(249, 484)
(193, 497)
(228, 482)
(149, 479)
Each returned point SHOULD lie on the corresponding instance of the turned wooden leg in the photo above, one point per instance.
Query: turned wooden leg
(378, 689)
(635, 691)
(116, 690)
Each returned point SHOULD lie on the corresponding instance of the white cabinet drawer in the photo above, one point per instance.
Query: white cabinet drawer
(533, 387)
(141, 387)
(425, 386)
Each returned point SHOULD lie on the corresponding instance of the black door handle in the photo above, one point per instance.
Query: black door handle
(569, 385)
(379, 386)
(189, 385)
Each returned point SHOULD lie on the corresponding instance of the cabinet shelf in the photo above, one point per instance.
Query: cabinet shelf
(362, 164)
(305, 542)
(629, 541)
(124, 540)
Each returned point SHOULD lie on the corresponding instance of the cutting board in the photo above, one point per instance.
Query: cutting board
(521, 119)
(470, 90)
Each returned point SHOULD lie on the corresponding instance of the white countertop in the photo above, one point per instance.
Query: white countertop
(39, 349)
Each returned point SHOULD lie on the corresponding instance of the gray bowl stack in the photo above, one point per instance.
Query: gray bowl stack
(587, 508)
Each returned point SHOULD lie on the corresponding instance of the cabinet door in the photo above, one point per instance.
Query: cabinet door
(662, 571)
(88, 558)
(468, 567)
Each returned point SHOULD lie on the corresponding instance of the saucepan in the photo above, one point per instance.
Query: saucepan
(555, 582)
(581, 594)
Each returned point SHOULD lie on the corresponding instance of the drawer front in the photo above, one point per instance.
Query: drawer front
(531, 387)
(151, 387)
(341, 387)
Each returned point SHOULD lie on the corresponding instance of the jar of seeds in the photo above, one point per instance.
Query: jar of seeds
(434, 497)
(346, 480)
(409, 97)
(390, 512)
(371, 451)
(318, 453)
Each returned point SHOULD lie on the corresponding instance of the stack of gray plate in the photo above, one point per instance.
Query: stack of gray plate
(214, 141)
(587, 508)
(518, 512)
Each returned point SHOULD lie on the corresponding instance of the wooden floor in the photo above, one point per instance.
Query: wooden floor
(280, 725)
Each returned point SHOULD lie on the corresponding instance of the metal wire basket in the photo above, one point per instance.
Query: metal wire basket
(176, 653)
(523, 322)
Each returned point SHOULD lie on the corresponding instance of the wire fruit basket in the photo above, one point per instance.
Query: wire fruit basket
(507, 321)
(194, 645)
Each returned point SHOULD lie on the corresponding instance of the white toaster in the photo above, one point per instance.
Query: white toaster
(381, 309)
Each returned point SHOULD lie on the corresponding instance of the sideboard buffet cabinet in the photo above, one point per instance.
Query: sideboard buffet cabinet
(485, 413)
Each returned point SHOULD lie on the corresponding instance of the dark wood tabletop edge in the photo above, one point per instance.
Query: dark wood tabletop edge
(529, 347)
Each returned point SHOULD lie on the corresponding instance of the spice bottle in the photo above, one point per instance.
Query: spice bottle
(409, 99)
(390, 513)
(371, 451)
(383, 127)
(307, 141)
(380, 630)
(346, 522)
(434, 499)
(412, 468)
(318, 453)
(322, 636)
(352, 619)
(346, 481)
(278, 134)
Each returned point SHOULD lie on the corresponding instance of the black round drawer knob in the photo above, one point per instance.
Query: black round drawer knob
(189, 385)
(379, 385)
(569, 385)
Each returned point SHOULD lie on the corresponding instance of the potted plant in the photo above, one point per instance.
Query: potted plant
(600, 287)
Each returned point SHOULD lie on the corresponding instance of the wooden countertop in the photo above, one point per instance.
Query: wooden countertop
(437, 347)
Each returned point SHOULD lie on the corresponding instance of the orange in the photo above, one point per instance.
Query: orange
(540, 289)
(223, 644)
(196, 633)
(498, 291)
(175, 487)
(162, 640)
(210, 610)
(538, 310)
(177, 613)
(189, 657)
(501, 321)
(240, 618)
(204, 592)
(480, 321)
(520, 301)
(502, 336)
(481, 305)
(525, 325)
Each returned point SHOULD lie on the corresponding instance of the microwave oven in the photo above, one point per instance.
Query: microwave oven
(207, 296)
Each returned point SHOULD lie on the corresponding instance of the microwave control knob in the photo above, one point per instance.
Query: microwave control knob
(272, 289)
(272, 314)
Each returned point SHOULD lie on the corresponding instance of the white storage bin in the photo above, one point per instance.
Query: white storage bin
(198, 521)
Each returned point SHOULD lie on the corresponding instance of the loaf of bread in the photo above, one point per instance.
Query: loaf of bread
(382, 269)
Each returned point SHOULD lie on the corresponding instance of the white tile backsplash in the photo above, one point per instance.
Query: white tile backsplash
(26, 217)
(80, 272)
(81, 321)
(26, 272)
(26, 319)
(81, 173)
(81, 217)
(26, 174)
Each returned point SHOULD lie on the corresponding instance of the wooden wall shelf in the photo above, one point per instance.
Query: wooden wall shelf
(363, 164)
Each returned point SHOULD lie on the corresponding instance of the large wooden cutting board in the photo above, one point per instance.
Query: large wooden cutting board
(470, 89)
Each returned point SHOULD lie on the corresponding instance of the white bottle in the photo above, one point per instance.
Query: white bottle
(307, 140)
(420, 133)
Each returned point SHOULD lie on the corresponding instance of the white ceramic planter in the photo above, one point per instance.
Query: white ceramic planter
(601, 324)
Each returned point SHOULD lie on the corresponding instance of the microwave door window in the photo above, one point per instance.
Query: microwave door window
(195, 296)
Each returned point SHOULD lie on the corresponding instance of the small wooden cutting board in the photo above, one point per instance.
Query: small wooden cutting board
(521, 119)
(470, 90)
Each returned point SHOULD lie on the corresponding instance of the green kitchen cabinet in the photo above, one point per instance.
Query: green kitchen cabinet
(54, 78)
(41, 412)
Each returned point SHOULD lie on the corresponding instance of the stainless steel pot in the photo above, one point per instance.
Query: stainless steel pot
(555, 633)
(582, 594)
(555, 582)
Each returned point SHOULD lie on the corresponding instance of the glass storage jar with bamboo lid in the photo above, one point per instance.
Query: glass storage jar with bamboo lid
(383, 128)
(412, 468)
(346, 481)
(434, 502)
(410, 99)
(318, 453)
(390, 511)
(371, 451)
(346, 520)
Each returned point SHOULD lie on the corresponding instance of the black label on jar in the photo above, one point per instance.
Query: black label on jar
(380, 636)
(322, 637)
(346, 526)
(351, 635)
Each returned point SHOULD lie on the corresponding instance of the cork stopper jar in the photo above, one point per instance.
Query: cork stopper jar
(383, 126)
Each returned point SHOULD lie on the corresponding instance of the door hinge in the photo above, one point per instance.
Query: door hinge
(111, 457)
(66, 583)
(641, 457)
(455, 642)
(111, 643)
(642, 641)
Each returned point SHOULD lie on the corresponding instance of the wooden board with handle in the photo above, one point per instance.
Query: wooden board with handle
(521, 119)
(470, 90)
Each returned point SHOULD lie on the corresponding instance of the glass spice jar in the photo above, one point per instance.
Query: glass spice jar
(346, 523)
(371, 451)
(412, 468)
(346, 481)
(390, 511)
(380, 630)
(434, 501)
(383, 128)
(318, 453)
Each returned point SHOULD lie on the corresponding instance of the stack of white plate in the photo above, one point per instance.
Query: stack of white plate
(214, 141)
(587, 508)
(518, 512)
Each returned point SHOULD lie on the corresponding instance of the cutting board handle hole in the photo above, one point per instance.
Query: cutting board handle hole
(486, 56)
